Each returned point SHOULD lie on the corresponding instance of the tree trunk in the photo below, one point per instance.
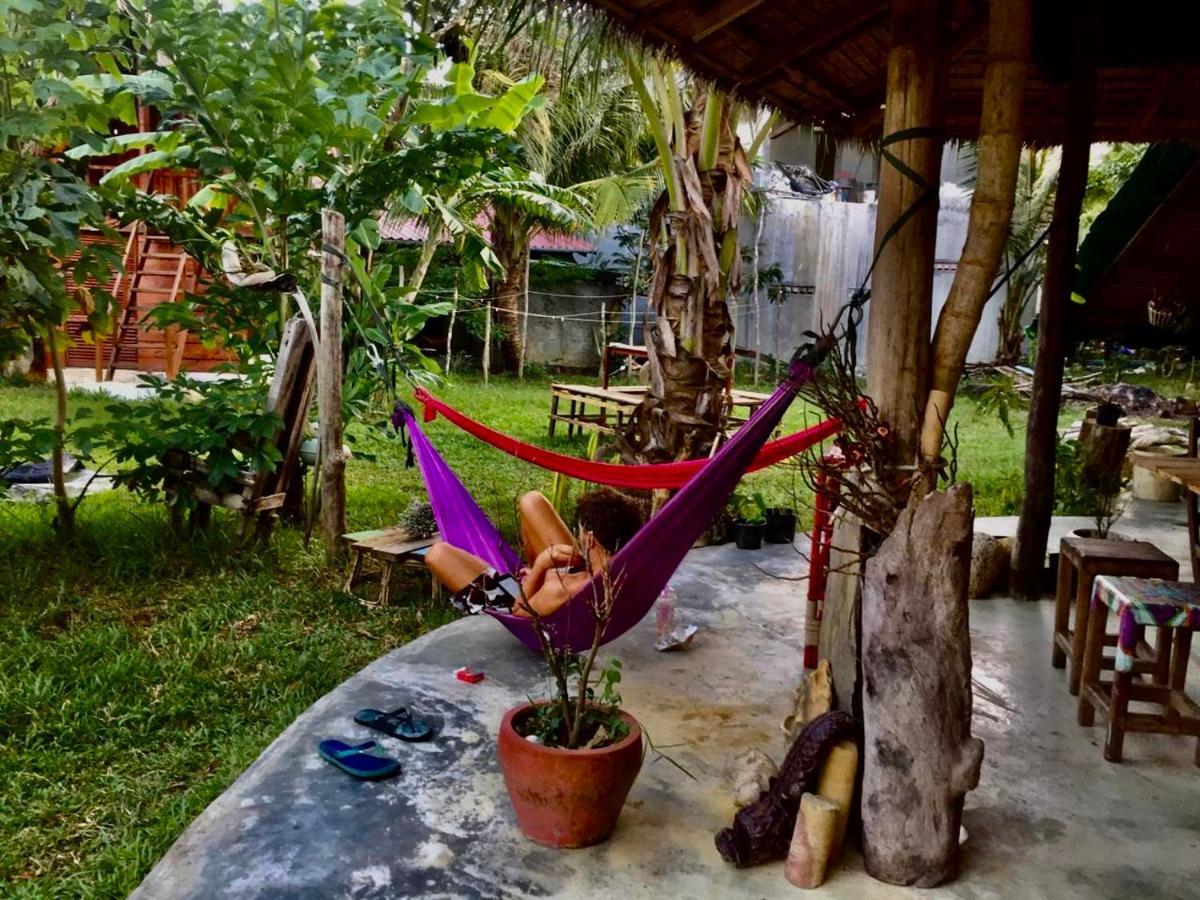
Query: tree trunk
(66, 512)
(999, 156)
(510, 242)
(902, 281)
(1037, 504)
(696, 266)
(329, 384)
(920, 757)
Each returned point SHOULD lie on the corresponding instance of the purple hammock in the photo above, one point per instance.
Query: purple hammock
(641, 569)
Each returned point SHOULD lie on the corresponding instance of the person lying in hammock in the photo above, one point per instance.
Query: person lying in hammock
(560, 566)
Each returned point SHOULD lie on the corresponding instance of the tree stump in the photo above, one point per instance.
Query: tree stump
(920, 758)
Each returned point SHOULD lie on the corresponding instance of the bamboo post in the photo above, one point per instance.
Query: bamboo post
(1037, 505)
(999, 155)
(902, 282)
(450, 328)
(329, 384)
(487, 342)
(524, 322)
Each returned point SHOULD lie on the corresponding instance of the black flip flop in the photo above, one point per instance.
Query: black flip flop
(399, 723)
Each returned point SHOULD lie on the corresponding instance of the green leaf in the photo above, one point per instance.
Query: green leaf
(508, 111)
(147, 162)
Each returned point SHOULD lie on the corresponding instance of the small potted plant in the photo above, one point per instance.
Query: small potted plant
(569, 762)
(781, 525)
(751, 522)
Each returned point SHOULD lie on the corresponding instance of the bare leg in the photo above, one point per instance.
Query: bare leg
(453, 567)
(541, 525)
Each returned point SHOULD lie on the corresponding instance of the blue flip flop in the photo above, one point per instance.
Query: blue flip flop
(399, 723)
(357, 760)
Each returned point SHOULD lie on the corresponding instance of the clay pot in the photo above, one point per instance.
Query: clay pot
(567, 798)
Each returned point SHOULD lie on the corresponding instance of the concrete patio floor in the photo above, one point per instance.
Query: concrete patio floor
(1050, 818)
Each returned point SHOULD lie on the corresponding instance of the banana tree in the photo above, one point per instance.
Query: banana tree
(696, 262)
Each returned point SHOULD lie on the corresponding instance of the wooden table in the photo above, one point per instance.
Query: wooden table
(613, 405)
(389, 547)
(1185, 472)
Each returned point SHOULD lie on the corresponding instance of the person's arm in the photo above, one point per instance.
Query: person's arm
(550, 559)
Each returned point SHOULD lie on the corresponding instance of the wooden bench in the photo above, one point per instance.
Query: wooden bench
(389, 547)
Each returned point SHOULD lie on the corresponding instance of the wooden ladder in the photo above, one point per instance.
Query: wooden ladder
(183, 279)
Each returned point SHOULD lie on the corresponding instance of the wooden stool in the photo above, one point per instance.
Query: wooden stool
(1080, 560)
(1173, 608)
(390, 547)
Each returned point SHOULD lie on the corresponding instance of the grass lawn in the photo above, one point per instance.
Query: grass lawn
(139, 675)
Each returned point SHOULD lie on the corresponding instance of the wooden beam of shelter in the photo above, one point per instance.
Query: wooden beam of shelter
(793, 52)
(1037, 504)
(906, 220)
(722, 14)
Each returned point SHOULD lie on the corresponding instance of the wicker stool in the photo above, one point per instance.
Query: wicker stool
(1080, 560)
(1173, 608)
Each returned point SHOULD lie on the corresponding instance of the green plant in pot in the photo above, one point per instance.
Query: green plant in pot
(751, 521)
(569, 761)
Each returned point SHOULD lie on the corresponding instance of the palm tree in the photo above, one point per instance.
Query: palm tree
(1037, 177)
(589, 139)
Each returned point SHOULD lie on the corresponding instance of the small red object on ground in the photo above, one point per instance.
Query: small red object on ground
(469, 675)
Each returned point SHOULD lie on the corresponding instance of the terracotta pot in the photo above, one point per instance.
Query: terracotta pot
(567, 798)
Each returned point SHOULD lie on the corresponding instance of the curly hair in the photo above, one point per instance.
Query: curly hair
(611, 517)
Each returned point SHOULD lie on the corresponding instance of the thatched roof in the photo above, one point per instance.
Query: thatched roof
(1143, 246)
(824, 61)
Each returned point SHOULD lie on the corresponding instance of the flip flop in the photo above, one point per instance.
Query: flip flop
(357, 760)
(399, 723)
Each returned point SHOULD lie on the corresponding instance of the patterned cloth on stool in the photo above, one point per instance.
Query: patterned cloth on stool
(1140, 603)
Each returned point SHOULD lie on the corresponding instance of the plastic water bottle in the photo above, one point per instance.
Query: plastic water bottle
(664, 612)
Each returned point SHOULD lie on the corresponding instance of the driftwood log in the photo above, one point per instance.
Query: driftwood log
(762, 832)
(920, 757)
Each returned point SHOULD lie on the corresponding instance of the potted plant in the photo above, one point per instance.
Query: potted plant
(569, 762)
(751, 522)
(781, 525)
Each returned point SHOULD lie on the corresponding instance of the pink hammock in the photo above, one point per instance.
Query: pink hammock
(640, 569)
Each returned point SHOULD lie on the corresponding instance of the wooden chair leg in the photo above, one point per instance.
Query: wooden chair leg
(1062, 609)
(385, 584)
(1162, 657)
(553, 413)
(1182, 649)
(1093, 654)
(355, 571)
(1118, 706)
(1083, 600)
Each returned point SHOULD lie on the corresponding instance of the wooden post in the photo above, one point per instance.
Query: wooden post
(1037, 505)
(524, 323)
(450, 328)
(758, 230)
(329, 384)
(999, 155)
(487, 343)
(603, 339)
(633, 294)
(902, 282)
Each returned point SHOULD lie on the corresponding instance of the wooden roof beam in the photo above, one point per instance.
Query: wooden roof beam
(721, 15)
(795, 51)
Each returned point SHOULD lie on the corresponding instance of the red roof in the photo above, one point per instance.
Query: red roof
(396, 228)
